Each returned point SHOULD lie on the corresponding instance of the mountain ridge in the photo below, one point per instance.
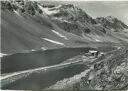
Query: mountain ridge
(42, 25)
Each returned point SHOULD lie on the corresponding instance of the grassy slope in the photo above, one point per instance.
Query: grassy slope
(25, 32)
(20, 33)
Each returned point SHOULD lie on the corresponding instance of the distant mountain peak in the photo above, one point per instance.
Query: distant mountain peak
(21, 6)
(112, 22)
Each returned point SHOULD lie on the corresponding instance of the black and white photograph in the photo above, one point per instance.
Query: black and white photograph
(49, 45)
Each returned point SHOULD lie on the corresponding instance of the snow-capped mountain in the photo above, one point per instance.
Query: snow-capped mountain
(30, 25)
(74, 20)
(70, 18)
(23, 30)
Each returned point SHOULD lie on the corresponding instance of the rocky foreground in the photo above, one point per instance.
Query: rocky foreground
(108, 72)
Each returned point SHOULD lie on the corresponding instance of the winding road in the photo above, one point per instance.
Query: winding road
(20, 74)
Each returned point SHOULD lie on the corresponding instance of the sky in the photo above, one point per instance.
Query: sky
(95, 9)
(100, 8)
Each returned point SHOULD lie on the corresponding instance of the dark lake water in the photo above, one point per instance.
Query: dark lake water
(23, 61)
(38, 81)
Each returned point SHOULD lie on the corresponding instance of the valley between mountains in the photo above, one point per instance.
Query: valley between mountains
(61, 47)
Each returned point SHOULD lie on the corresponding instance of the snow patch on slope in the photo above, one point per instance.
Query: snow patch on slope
(33, 50)
(59, 6)
(60, 35)
(2, 54)
(95, 37)
(53, 41)
(61, 19)
(16, 12)
(97, 40)
(47, 11)
(43, 48)
(65, 21)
